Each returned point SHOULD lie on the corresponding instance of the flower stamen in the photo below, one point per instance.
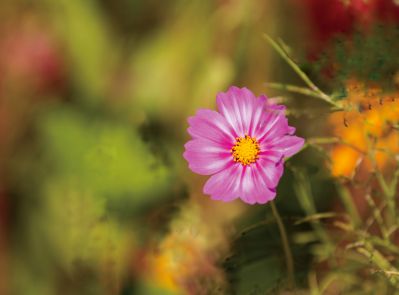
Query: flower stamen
(245, 150)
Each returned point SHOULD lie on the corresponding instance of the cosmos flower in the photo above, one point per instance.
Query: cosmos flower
(242, 146)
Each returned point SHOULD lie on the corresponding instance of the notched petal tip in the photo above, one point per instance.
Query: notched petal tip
(249, 201)
(234, 88)
(291, 130)
(190, 120)
(288, 145)
(261, 199)
(295, 144)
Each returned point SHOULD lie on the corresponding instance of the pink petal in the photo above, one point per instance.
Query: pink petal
(248, 188)
(288, 145)
(225, 185)
(211, 125)
(271, 155)
(274, 124)
(275, 107)
(265, 194)
(237, 106)
(270, 172)
(206, 157)
(253, 187)
(239, 181)
(270, 112)
(258, 114)
(291, 130)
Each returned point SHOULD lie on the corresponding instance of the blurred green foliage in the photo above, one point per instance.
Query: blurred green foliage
(105, 157)
(98, 156)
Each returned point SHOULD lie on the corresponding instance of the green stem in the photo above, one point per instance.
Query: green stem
(377, 217)
(295, 89)
(299, 72)
(305, 91)
(350, 207)
(323, 140)
(388, 190)
(286, 246)
(305, 198)
(394, 182)
(380, 261)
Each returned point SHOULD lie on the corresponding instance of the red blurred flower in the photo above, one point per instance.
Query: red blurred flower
(327, 20)
(30, 59)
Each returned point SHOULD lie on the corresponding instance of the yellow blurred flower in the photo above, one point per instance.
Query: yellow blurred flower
(366, 127)
(185, 260)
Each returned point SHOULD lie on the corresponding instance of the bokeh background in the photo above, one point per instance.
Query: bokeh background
(95, 197)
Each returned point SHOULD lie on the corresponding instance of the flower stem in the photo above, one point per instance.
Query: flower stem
(305, 91)
(312, 87)
(287, 250)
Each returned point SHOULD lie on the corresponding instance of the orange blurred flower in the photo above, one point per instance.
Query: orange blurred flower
(367, 130)
(185, 261)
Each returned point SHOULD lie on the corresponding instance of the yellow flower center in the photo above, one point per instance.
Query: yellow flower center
(245, 150)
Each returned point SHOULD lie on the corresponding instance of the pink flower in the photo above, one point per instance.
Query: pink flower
(242, 146)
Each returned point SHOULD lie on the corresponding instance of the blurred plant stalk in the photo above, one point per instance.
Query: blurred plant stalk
(365, 163)
(4, 241)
